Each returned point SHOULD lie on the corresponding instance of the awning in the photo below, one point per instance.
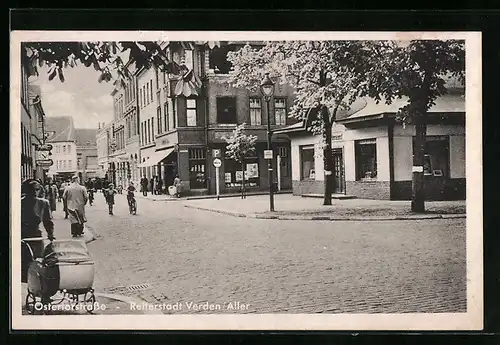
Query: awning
(155, 158)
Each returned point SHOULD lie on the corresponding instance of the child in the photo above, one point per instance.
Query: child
(110, 197)
(130, 191)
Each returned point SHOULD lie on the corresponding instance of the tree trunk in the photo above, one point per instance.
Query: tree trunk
(243, 196)
(418, 192)
(327, 156)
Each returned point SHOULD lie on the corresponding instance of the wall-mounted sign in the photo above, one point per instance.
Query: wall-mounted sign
(216, 153)
(44, 163)
(227, 177)
(268, 154)
(45, 147)
(337, 136)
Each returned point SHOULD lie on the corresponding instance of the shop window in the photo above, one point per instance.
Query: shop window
(280, 111)
(255, 112)
(366, 160)
(197, 165)
(437, 157)
(233, 173)
(191, 112)
(226, 110)
(307, 171)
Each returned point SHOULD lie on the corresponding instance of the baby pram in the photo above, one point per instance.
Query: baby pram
(65, 267)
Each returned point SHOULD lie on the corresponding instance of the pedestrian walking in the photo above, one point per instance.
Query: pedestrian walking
(144, 186)
(110, 197)
(178, 186)
(35, 210)
(155, 185)
(151, 185)
(75, 198)
(53, 196)
(160, 186)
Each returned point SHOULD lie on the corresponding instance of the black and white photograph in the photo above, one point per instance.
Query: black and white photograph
(246, 180)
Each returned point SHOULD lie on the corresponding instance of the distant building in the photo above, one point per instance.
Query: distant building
(103, 142)
(60, 133)
(86, 153)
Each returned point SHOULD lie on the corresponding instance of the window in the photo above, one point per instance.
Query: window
(285, 165)
(151, 90)
(191, 112)
(226, 110)
(58, 149)
(165, 116)
(70, 164)
(143, 95)
(158, 119)
(197, 164)
(366, 159)
(142, 133)
(436, 159)
(64, 148)
(147, 93)
(152, 129)
(188, 58)
(255, 112)
(69, 148)
(64, 164)
(280, 111)
(307, 171)
(148, 140)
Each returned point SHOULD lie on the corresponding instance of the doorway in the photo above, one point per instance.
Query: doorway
(338, 171)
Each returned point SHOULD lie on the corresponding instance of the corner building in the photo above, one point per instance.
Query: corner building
(184, 119)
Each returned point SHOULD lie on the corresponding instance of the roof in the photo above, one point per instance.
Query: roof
(59, 128)
(366, 108)
(85, 137)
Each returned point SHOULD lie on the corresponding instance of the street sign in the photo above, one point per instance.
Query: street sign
(217, 163)
(268, 154)
(45, 147)
(216, 153)
(44, 162)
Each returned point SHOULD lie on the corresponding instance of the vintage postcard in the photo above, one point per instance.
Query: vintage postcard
(246, 180)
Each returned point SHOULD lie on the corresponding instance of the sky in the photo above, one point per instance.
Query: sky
(80, 96)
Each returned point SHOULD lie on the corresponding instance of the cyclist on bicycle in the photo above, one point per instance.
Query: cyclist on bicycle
(130, 192)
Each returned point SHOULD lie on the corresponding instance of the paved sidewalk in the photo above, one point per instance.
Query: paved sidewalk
(165, 197)
(106, 304)
(290, 207)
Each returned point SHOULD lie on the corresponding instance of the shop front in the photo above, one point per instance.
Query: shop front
(373, 155)
(161, 164)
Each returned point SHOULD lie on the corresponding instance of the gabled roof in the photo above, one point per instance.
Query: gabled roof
(59, 128)
(85, 137)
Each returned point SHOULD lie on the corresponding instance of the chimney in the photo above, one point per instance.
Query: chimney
(98, 125)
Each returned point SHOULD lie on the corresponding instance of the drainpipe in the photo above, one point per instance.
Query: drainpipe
(207, 169)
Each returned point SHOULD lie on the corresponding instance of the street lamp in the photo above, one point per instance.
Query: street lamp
(267, 89)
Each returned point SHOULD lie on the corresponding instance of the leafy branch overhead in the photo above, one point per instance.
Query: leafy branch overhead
(105, 57)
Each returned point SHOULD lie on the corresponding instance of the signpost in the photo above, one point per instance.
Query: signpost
(44, 163)
(217, 164)
(268, 154)
(278, 167)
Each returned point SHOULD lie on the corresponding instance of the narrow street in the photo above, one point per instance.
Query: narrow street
(168, 253)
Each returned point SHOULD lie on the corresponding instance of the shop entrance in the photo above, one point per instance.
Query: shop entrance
(338, 171)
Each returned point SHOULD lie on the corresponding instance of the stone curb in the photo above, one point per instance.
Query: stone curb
(328, 218)
(129, 300)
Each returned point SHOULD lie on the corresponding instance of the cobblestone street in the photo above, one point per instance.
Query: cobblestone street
(168, 254)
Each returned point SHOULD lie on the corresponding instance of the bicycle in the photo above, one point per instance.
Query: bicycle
(132, 204)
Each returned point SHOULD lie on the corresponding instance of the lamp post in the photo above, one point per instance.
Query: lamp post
(267, 89)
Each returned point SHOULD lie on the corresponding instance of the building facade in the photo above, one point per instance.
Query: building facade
(86, 153)
(60, 132)
(183, 119)
(372, 152)
(117, 154)
(102, 143)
